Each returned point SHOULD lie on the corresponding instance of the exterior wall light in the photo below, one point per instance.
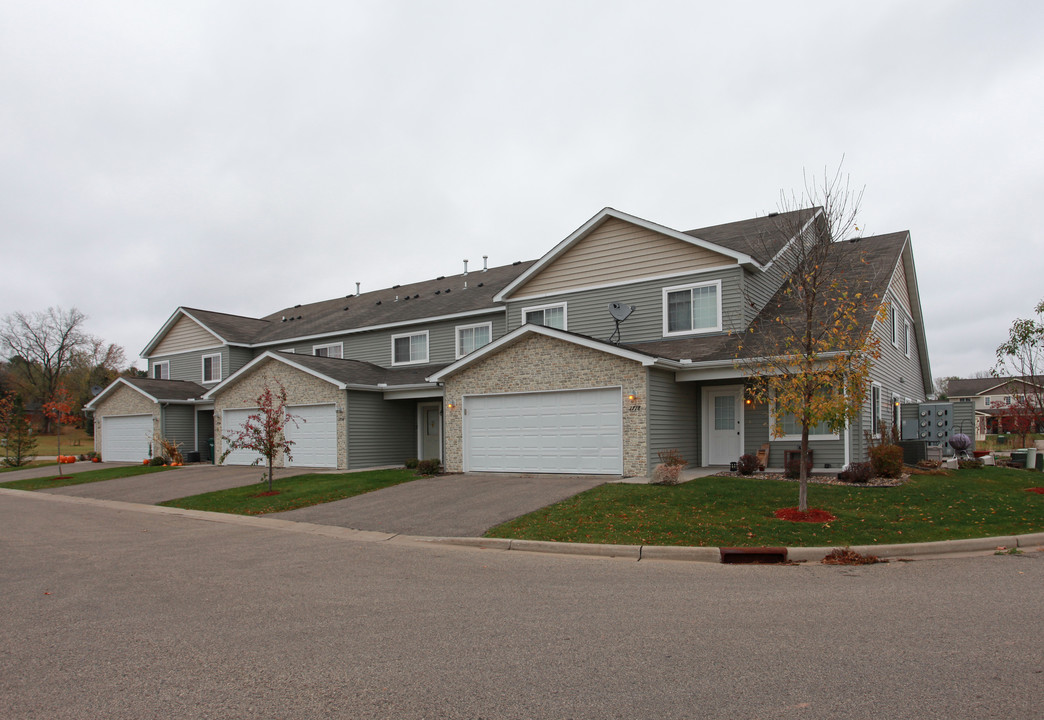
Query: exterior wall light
(450, 406)
(632, 397)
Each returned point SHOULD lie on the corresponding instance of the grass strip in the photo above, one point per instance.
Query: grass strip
(87, 476)
(293, 492)
(33, 464)
(732, 511)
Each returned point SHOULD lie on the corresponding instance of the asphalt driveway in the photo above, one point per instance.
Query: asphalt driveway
(155, 487)
(447, 506)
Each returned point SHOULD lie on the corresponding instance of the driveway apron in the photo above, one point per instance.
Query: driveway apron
(448, 506)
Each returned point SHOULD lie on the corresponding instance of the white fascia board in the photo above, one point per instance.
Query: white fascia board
(588, 226)
(514, 335)
(279, 357)
(724, 369)
(914, 292)
(416, 393)
(170, 323)
(385, 326)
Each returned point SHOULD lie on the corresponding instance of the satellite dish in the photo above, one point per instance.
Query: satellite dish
(620, 312)
(95, 389)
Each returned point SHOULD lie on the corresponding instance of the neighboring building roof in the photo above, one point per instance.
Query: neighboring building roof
(762, 237)
(971, 387)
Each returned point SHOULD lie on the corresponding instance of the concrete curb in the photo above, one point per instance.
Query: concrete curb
(922, 551)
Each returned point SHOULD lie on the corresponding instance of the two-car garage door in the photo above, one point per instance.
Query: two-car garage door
(314, 436)
(571, 431)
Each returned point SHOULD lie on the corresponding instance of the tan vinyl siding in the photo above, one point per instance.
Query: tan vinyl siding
(186, 334)
(617, 251)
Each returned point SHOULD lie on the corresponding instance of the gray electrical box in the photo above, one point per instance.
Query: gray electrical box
(934, 423)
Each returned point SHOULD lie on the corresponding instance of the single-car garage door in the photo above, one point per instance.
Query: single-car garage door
(572, 431)
(314, 436)
(126, 438)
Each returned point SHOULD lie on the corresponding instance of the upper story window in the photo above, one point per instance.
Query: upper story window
(411, 348)
(986, 401)
(546, 315)
(333, 350)
(212, 368)
(161, 370)
(907, 337)
(472, 337)
(692, 308)
(895, 326)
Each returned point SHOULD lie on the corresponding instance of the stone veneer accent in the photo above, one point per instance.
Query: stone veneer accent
(301, 389)
(537, 363)
(126, 401)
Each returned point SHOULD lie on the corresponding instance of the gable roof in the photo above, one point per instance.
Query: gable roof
(171, 391)
(591, 225)
(344, 374)
(971, 387)
(228, 329)
(760, 238)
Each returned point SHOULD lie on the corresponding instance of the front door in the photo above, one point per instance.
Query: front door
(723, 424)
(430, 431)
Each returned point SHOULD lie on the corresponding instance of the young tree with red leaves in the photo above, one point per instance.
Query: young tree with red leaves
(263, 431)
(59, 408)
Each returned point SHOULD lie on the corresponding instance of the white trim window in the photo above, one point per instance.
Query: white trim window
(896, 413)
(212, 368)
(792, 427)
(471, 337)
(161, 370)
(410, 348)
(875, 408)
(907, 337)
(689, 309)
(553, 316)
(895, 325)
(331, 350)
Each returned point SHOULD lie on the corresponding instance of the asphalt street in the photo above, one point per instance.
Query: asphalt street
(119, 613)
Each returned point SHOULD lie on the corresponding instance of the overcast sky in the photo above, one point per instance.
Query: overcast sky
(247, 156)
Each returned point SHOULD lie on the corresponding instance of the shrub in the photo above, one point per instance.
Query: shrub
(748, 464)
(430, 467)
(672, 458)
(857, 473)
(411, 463)
(887, 460)
(969, 463)
(157, 462)
(665, 474)
(793, 469)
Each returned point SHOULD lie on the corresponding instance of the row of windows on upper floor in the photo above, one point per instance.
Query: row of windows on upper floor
(688, 309)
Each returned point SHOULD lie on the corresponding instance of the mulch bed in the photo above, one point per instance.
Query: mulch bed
(267, 493)
(1036, 490)
(812, 515)
(818, 479)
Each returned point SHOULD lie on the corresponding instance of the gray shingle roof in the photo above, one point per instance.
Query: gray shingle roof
(761, 238)
(236, 329)
(168, 390)
(970, 387)
(357, 372)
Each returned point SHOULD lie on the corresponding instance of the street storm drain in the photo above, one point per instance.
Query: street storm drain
(753, 555)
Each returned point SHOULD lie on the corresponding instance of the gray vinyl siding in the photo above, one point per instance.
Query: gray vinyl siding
(757, 432)
(237, 358)
(587, 312)
(380, 432)
(376, 346)
(189, 365)
(673, 418)
(178, 424)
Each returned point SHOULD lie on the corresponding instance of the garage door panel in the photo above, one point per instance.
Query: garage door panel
(576, 431)
(231, 423)
(126, 438)
(314, 436)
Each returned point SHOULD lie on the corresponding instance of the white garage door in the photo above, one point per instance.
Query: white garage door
(574, 431)
(126, 438)
(232, 422)
(315, 437)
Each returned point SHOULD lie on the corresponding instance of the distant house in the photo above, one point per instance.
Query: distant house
(511, 368)
(992, 398)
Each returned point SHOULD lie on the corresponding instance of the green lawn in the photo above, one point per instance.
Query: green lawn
(74, 442)
(87, 476)
(729, 511)
(33, 464)
(293, 492)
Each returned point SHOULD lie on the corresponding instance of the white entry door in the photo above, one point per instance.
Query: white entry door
(722, 424)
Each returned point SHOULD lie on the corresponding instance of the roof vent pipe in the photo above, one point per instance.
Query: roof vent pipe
(357, 288)
(485, 259)
(465, 267)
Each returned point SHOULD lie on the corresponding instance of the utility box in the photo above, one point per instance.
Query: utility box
(933, 423)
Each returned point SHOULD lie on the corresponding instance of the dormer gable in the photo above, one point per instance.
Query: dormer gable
(181, 333)
(613, 248)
